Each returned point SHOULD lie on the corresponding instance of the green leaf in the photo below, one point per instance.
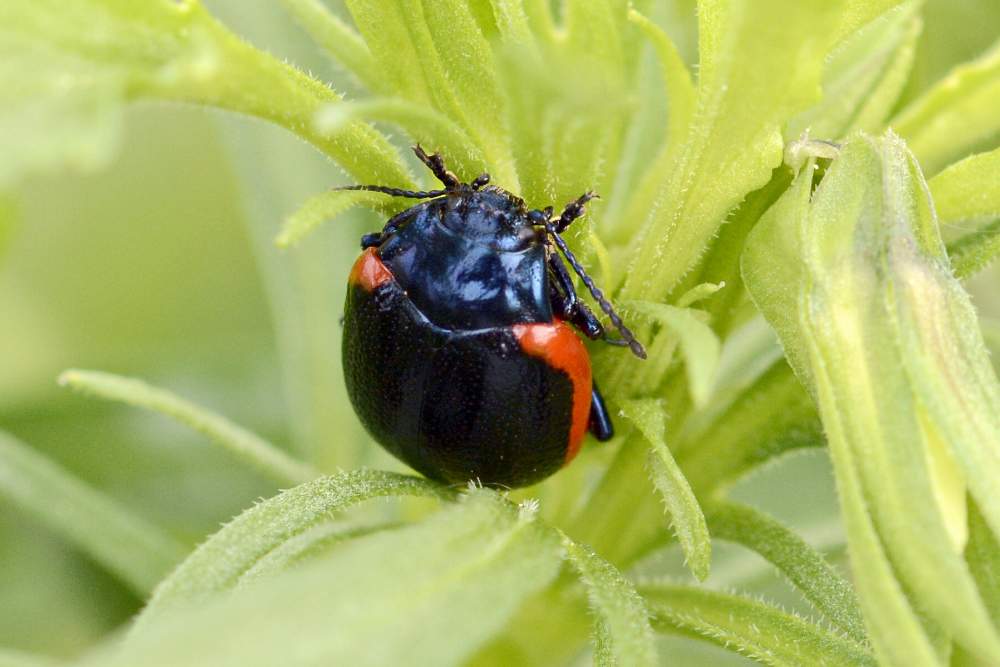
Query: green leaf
(968, 191)
(63, 87)
(427, 594)
(820, 583)
(339, 39)
(307, 546)
(218, 564)
(244, 444)
(863, 77)
(134, 550)
(721, 263)
(676, 81)
(699, 344)
(423, 125)
(974, 252)
(685, 513)
(765, 419)
(435, 55)
(623, 635)
(321, 208)
(760, 63)
(755, 629)
(956, 116)
(882, 332)
(967, 196)
(983, 556)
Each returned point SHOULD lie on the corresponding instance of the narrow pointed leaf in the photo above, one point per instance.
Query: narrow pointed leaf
(974, 252)
(218, 564)
(825, 589)
(686, 516)
(244, 444)
(676, 79)
(459, 575)
(624, 636)
(956, 115)
(422, 124)
(339, 39)
(862, 78)
(699, 344)
(322, 208)
(134, 550)
(752, 628)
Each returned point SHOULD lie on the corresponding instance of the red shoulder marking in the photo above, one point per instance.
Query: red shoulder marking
(558, 345)
(369, 272)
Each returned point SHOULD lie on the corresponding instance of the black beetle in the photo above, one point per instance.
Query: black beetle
(458, 357)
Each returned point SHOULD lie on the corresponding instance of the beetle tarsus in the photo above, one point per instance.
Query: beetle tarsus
(600, 420)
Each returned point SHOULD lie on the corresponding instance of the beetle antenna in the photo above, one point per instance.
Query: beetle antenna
(396, 192)
(633, 344)
(435, 163)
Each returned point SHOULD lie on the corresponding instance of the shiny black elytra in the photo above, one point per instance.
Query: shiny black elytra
(458, 357)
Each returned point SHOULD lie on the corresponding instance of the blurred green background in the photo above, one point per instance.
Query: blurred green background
(162, 266)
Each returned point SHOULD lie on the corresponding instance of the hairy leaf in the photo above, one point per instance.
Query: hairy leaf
(968, 191)
(339, 39)
(458, 575)
(623, 635)
(699, 344)
(974, 252)
(218, 564)
(861, 294)
(756, 629)
(825, 589)
(863, 77)
(321, 208)
(754, 74)
(686, 516)
(64, 86)
(956, 116)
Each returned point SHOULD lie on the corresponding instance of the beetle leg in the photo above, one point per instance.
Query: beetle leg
(600, 421)
(563, 294)
(573, 210)
(569, 306)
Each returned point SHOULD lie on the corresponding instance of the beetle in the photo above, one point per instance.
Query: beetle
(459, 352)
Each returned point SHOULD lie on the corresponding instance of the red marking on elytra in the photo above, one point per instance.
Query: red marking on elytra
(558, 345)
(369, 272)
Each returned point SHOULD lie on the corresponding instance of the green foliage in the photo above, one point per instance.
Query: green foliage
(241, 442)
(462, 572)
(754, 196)
(127, 545)
(864, 341)
(680, 502)
(755, 629)
(623, 635)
